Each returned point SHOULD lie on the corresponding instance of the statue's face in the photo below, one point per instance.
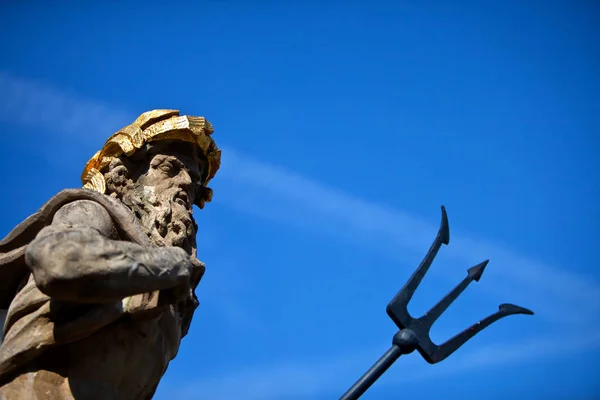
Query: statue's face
(175, 170)
(160, 185)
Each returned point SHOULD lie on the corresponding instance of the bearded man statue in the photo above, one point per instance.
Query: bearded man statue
(98, 286)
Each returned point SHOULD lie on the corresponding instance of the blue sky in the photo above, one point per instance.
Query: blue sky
(344, 127)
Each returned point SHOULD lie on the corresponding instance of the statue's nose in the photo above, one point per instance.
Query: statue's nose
(184, 180)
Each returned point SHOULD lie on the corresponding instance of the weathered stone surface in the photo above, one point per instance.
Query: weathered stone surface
(100, 286)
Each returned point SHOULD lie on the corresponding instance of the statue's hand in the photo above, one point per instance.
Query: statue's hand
(197, 272)
(194, 270)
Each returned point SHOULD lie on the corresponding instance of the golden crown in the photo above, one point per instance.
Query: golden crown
(150, 126)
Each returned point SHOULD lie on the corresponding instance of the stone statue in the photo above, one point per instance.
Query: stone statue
(98, 285)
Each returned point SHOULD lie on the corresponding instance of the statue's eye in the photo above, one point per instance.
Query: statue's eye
(167, 168)
(120, 171)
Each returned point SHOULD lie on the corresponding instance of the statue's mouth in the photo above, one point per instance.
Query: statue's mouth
(183, 200)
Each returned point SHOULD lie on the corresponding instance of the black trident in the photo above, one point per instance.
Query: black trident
(414, 332)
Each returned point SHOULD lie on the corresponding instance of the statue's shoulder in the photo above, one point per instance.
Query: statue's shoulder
(88, 213)
(23, 233)
(12, 246)
(128, 226)
(85, 201)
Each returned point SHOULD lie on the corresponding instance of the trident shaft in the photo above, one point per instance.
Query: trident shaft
(414, 332)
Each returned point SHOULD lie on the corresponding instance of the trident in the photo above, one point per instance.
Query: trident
(414, 332)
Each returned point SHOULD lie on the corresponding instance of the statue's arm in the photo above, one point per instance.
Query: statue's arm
(77, 259)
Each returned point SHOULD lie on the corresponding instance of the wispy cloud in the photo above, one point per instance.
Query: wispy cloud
(273, 192)
(287, 197)
(36, 104)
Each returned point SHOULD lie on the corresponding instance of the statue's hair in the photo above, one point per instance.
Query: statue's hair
(152, 126)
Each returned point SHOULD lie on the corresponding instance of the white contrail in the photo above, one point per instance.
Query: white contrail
(273, 192)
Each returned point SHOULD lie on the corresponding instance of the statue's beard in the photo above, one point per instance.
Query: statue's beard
(166, 217)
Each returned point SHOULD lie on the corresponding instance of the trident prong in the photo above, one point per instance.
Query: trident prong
(451, 345)
(473, 274)
(414, 332)
(397, 309)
